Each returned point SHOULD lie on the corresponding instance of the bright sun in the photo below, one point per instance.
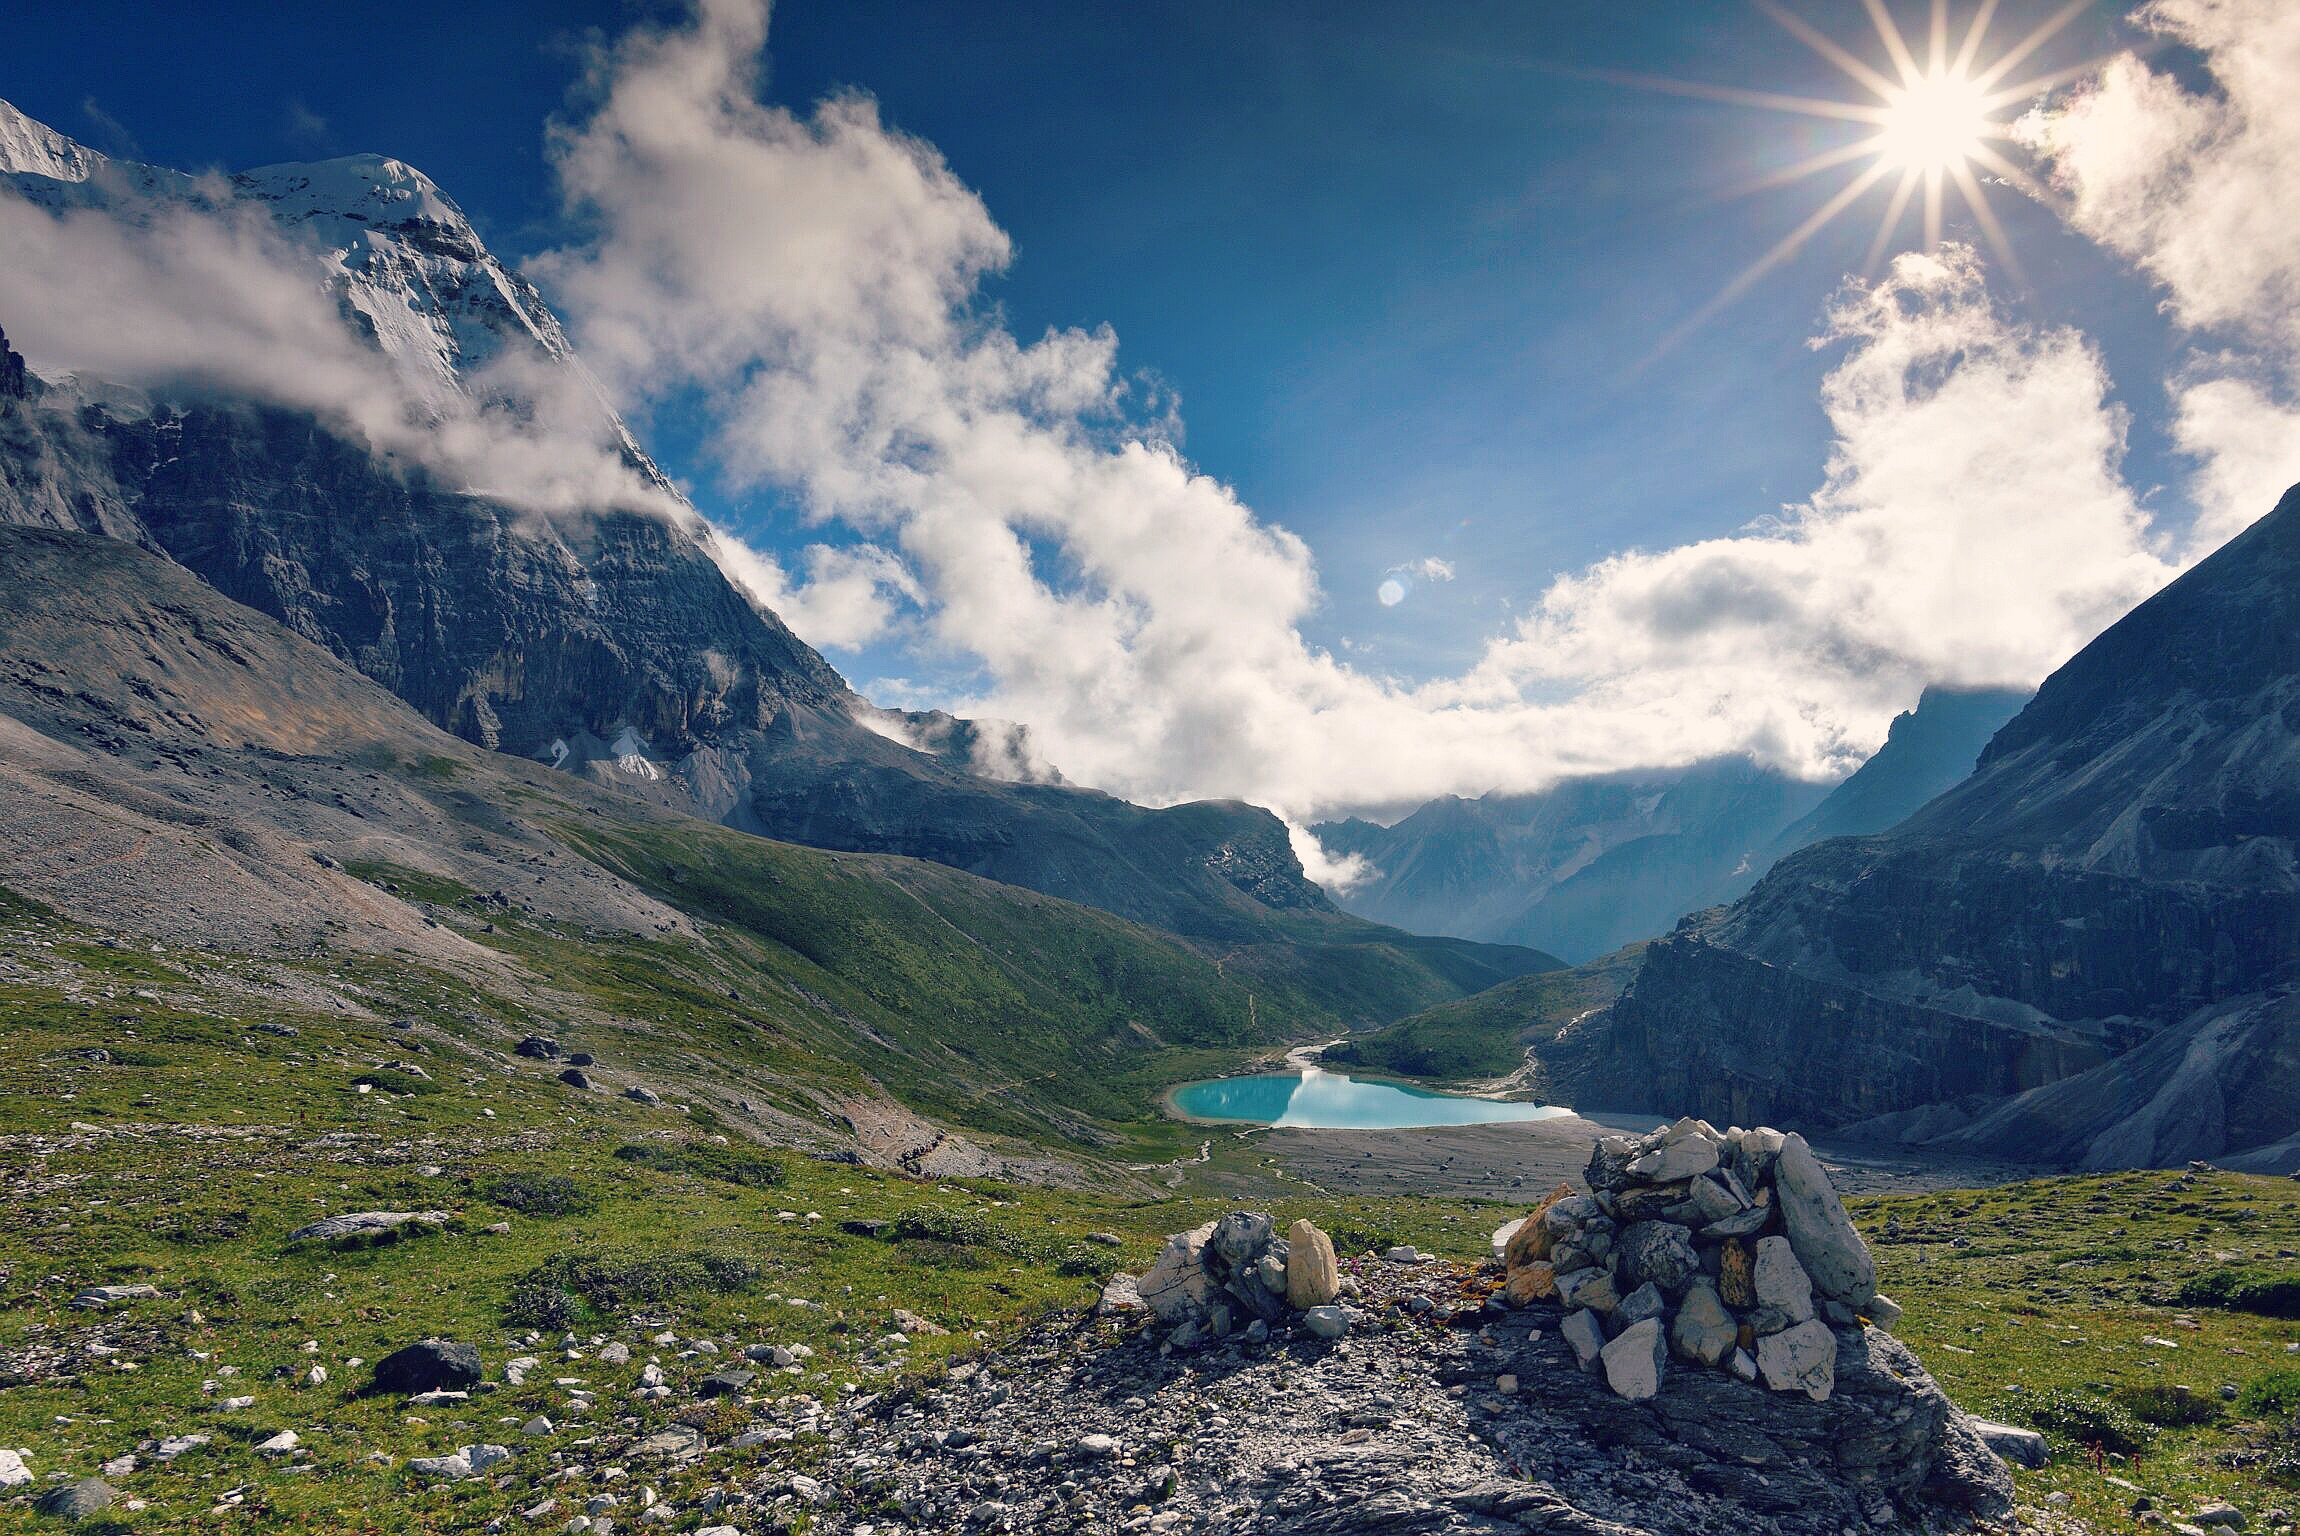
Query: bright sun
(1934, 125)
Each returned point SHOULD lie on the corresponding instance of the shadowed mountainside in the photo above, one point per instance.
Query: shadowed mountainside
(2118, 874)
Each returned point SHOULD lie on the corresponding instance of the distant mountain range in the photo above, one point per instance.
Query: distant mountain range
(1595, 863)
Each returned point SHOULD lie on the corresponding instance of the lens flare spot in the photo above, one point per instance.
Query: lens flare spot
(1392, 592)
(1933, 125)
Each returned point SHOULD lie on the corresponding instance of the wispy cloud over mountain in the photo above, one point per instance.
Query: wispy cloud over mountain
(159, 279)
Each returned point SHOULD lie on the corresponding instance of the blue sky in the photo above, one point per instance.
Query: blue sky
(1405, 268)
(1398, 262)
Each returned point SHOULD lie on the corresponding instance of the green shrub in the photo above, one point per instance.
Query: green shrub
(960, 1229)
(2263, 1293)
(2169, 1407)
(734, 1164)
(928, 1254)
(965, 1239)
(2276, 1392)
(402, 1084)
(541, 1304)
(130, 1057)
(537, 1194)
(1352, 1240)
(2082, 1419)
(1084, 1260)
(614, 1282)
(718, 1418)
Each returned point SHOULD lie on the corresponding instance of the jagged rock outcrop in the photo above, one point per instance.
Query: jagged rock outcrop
(2119, 873)
(11, 371)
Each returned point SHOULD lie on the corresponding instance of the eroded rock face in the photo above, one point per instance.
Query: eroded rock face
(2119, 867)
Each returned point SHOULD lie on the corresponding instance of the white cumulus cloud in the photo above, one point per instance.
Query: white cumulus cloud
(1017, 511)
(2195, 187)
(815, 276)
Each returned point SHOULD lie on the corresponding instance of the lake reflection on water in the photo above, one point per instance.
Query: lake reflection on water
(1331, 1101)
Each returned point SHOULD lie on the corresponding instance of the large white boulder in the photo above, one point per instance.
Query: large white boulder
(1178, 1289)
(1635, 1360)
(1823, 1235)
(1800, 1359)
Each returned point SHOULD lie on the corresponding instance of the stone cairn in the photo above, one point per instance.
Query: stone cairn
(1728, 1249)
(1237, 1275)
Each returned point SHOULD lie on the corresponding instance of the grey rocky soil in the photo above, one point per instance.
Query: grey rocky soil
(1398, 1427)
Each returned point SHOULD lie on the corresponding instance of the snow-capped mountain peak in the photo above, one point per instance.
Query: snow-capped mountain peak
(408, 269)
(35, 149)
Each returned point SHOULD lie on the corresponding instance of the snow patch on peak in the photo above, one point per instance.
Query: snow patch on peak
(630, 750)
(32, 148)
(365, 188)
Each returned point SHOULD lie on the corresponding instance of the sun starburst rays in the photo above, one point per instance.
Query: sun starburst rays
(1936, 124)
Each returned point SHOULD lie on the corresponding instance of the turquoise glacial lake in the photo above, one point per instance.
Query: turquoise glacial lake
(1331, 1101)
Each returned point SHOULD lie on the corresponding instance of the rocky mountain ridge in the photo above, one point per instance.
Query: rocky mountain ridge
(2103, 920)
(610, 642)
(180, 771)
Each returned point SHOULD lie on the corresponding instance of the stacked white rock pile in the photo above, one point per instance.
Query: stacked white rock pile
(1236, 1275)
(1726, 1249)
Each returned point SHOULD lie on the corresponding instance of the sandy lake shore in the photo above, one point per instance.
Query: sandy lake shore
(1525, 1158)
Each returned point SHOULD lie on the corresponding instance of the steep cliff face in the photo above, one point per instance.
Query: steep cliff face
(1927, 751)
(2121, 864)
(11, 371)
(506, 628)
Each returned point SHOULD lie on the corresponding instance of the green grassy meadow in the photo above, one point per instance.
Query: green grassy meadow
(158, 1127)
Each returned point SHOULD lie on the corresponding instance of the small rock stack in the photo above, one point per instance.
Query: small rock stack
(1237, 1274)
(1728, 1249)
